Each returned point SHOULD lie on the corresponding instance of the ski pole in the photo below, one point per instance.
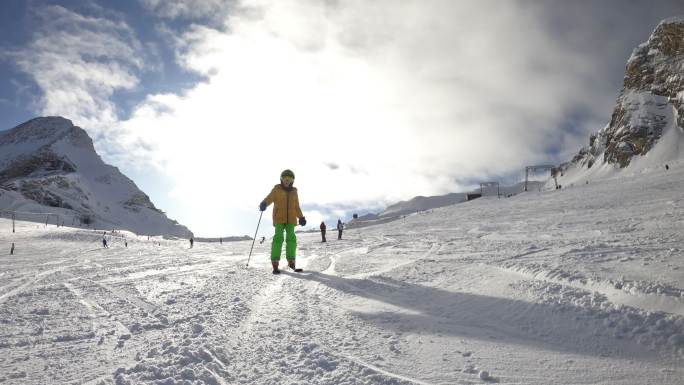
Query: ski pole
(254, 239)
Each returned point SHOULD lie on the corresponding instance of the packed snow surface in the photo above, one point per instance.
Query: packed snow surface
(579, 286)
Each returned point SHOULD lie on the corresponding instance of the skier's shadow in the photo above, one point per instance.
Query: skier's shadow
(408, 307)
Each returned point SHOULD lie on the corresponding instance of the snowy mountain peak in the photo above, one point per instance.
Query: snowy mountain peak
(650, 106)
(49, 128)
(50, 162)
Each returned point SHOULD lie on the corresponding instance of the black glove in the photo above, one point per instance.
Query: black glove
(263, 205)
(302, 221)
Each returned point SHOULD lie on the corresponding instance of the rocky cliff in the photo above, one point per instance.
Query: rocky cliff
(651, 100)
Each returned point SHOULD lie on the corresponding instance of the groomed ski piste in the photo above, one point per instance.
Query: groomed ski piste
(579, 286)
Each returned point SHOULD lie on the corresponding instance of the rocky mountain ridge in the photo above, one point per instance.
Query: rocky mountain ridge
(49, 165)
(650, 102)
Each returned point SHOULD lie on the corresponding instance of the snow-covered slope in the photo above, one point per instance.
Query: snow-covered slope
(48, 165)
(579, 286)
(420, 203)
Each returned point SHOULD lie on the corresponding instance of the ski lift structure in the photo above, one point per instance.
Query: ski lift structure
(484, 185)
(50, 218)
(542, 167)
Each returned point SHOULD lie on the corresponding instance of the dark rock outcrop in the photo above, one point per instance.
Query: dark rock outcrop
(651, 98)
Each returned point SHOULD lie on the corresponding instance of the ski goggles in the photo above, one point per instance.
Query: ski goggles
(287, 179)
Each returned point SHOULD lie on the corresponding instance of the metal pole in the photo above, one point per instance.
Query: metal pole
(254, 239)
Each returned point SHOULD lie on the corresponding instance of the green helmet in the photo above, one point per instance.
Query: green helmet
(287, 173)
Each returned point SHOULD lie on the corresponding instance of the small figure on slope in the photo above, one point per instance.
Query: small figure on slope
(323, 227)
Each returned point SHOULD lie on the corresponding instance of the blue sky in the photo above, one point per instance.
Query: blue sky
(20, 21)
(203, 103)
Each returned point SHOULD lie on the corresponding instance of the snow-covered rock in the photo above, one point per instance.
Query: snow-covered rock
(48, 165)
(649, 109)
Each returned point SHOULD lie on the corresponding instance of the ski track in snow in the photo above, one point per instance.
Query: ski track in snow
(580, 286)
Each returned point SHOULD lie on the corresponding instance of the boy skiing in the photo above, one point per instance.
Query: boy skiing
(286, 211)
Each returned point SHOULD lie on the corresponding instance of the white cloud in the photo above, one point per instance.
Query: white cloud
(368, 102)
(406, 98)
(191, 10)
(78, 62)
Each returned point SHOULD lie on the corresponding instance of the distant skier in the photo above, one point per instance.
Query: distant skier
(192, 242)
(12, 249)
(126, 243)
(286, 210)
(340, 227)
(323, 231)
(104, 243)
(262, 240)
(220, 241)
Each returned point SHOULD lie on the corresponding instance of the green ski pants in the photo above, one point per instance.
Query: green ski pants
(291, 242)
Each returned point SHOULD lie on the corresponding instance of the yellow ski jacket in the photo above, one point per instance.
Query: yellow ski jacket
(285, 205)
